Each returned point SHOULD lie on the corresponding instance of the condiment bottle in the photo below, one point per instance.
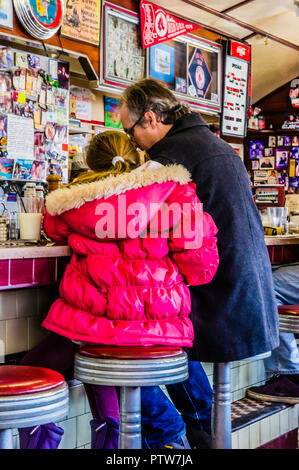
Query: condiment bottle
(39, 191)
(54, 182)
(3, 229)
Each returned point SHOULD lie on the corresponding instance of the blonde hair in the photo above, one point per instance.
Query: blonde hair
(100, 153)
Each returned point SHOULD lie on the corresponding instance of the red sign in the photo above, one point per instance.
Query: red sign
(242, 51)
(158, 26)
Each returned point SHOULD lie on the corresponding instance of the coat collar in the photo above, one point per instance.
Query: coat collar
(187, 121)
(65, 199)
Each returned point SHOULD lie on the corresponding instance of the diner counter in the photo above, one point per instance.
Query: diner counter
(33, 252)
(274, 240)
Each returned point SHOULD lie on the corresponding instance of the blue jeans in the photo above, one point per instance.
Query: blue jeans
(285, 358)
(161, 421)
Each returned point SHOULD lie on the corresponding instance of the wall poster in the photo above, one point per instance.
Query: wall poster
(6, 14)
(82, 21)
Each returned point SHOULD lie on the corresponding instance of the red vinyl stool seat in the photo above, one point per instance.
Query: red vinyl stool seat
(288, 318)
(288, 309)
(130, 352)
(130, 368)
(17, 380)
(30, 396)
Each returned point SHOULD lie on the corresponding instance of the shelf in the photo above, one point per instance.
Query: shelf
(272, 131)
(77, 130)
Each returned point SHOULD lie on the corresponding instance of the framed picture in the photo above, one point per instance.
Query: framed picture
(123, 57)
(267, 162)
(281, 158)
(295, 140)
(287, 140)
(256, 148)
(162, 63)
(255, 164)
(280, 140)
(269, 151)
(272, 141)
(6, 14)
(272, 177)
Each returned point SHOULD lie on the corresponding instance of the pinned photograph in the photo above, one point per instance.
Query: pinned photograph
(281, 159)
(287, 140)
(63, 72)
(272, 141)
(255, 164)
(3, 126)
(294, 152)
(283, 178)
(22, 170)
(6, 58)
(280, 140)
(6, 167)
(295, 140)
(268, 151)
(5, 81)
(33, 62)
(5, 102)
(38, 170)
(256, 148)
(267, 162)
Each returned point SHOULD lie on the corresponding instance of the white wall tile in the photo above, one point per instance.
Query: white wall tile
(284, 421)
(16, 335)
(8, 304)
(293, 417)
(243, 438)
(208, 367)
(235, 440)
(77, 400)
(265, 431)
(69, 438)
(274, 426)
(83, 429)
(27, 302)
(254, 435)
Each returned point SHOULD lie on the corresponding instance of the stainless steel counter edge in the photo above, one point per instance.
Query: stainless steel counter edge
(25, 252)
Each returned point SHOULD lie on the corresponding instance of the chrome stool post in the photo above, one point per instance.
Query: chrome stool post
(221, 406)
(130, 368)
(288, 318)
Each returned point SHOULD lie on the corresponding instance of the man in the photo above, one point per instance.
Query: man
(235, 316)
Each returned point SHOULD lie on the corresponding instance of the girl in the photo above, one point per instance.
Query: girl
(138, 236)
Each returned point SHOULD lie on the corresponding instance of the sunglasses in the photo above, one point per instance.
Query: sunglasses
(130, 130)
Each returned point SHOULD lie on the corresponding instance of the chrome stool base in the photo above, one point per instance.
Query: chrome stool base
(130, 375)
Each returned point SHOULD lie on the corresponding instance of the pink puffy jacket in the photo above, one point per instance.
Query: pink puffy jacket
(124, 285)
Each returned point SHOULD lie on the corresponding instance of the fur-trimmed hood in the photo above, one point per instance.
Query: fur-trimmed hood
(75, 196)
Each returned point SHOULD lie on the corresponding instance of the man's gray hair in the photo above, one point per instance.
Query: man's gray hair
(151, 95)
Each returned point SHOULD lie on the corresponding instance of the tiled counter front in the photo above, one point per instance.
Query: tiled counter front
(28, 286)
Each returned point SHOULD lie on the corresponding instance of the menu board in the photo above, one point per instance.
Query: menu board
(234, 113)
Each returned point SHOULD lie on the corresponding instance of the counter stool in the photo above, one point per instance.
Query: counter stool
(221, 406)
(130, 368)
(29, 396)
(288, 318)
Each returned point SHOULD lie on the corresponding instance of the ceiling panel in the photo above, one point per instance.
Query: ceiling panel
(179, 8)
(274, 64)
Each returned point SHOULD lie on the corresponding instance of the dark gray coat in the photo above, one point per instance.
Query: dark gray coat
(235, 316)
